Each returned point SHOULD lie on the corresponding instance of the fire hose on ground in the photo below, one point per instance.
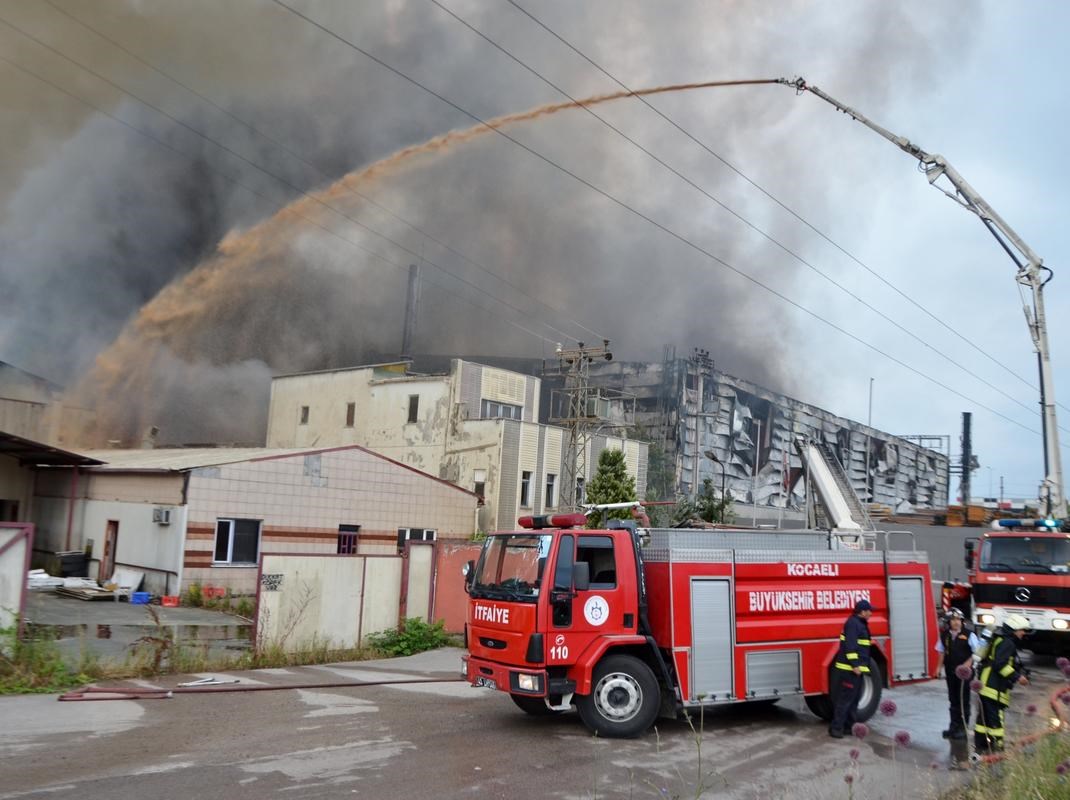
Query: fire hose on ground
(153, 693)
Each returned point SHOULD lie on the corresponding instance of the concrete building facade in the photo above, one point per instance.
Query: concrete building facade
(32, 407)
(205, 516)
(475, 426)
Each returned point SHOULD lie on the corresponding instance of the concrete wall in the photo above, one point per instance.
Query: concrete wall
(18, 538)
(16, 486)
(328, 598)
(451, 602)
(301, 501)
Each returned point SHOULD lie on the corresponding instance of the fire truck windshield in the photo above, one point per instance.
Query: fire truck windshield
(1031, 554)
(511, 566)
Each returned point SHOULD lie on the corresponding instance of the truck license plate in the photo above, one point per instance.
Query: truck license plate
(490, 683)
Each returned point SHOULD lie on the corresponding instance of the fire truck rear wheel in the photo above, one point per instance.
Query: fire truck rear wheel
(872, 683)
(624, 699)
(536, 706)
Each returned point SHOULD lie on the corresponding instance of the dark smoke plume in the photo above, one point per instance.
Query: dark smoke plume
(169, 296)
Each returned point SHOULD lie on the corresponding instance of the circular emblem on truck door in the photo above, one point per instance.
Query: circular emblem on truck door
(1021, 594)
(596, 610)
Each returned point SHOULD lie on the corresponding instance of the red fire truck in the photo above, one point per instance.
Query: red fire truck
(626, 625)
(1023, 567)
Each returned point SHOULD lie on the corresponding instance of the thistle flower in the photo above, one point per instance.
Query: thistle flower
(1030, 709)
(934, 765)
(888, 708)
(1062, 661)
(975, 685)
(1066, 670)
(902, 738)
(1066, 699)
(860, 730)
(849, 778)
(854, 754)
(1061, 769)
(964, 672)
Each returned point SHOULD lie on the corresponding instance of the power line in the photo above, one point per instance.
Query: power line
(249, 126)
(679, 237)
(281, 180)
(775, 199)
(733, 212)
(248, 188)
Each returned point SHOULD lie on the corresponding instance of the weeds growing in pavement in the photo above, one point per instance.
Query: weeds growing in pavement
(413, 635)
(34, 665)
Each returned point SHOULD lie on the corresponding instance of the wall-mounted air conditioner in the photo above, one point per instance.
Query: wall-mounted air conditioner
(161, 516)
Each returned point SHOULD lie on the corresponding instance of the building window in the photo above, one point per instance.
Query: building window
(237, 541)
(304, 415)
(415, 535)
(479, 482)
(525, 489)
(581, 489)
(414, 407)
(551, 490)
(489, 409)
(347, 539)
(351, 414)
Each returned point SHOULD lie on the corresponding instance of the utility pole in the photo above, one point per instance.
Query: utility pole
(1001, 494)
(869, 424)
(412, 305)
(967, 458)
(579, 416)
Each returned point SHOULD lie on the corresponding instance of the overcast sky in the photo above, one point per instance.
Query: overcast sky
(97, 220)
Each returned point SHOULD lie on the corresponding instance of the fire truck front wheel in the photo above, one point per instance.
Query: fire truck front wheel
(624, 699)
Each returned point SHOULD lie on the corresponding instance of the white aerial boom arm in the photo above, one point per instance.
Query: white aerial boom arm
(1031, 273)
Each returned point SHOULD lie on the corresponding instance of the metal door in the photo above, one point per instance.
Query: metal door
(418, 586)
(107, 558)
(712, 639)
(906, 618)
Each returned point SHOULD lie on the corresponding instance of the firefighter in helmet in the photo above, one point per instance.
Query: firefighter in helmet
(956, 647)
(850, 668)
(1001, 669)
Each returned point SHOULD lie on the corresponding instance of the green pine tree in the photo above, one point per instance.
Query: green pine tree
(611, 484)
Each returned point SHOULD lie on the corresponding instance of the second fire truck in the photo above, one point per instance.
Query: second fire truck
(627, 625)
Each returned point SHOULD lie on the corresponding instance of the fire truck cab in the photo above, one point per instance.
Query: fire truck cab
(1023, 567)
(627, 625)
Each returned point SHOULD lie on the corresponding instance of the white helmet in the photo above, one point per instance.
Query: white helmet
(955, 613)
(1016, 622)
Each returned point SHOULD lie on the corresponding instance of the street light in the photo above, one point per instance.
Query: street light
(712, 456)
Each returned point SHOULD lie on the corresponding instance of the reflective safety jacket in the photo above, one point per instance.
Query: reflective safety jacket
(854, 645)
(1000, 669)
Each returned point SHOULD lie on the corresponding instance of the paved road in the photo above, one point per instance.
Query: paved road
(448, 740)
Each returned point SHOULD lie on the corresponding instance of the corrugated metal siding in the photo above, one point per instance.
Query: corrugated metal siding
(471, 385)
(509, 475)
(531, 400)
(503, 386)
(642, 459)
(539, 488)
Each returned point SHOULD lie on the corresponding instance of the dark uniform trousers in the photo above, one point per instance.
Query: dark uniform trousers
(846, 686)
(957, 651)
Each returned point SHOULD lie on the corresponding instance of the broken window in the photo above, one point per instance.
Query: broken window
(304, 415)
(414, 407)
(351, 414)
(551, 490)
(525, 489)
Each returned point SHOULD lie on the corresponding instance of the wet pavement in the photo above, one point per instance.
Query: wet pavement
(107, 628)
(433, 741)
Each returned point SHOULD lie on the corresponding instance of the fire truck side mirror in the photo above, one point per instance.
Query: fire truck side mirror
(468, 570)
(581, 576)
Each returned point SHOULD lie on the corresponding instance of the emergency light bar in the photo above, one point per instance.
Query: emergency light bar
(539, 521)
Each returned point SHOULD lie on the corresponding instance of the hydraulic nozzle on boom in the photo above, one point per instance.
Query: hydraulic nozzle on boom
(1031, 273)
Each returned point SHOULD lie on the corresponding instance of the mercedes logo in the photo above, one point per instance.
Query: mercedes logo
(1021, 594)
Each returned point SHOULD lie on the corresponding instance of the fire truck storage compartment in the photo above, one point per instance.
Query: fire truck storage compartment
(711, 610)
(906, 612)
(772, 673)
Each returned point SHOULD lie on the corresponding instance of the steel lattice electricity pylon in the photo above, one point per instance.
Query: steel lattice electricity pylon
(579, 415)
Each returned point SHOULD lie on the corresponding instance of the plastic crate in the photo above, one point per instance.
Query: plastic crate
(140, 598)
(169, 600)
